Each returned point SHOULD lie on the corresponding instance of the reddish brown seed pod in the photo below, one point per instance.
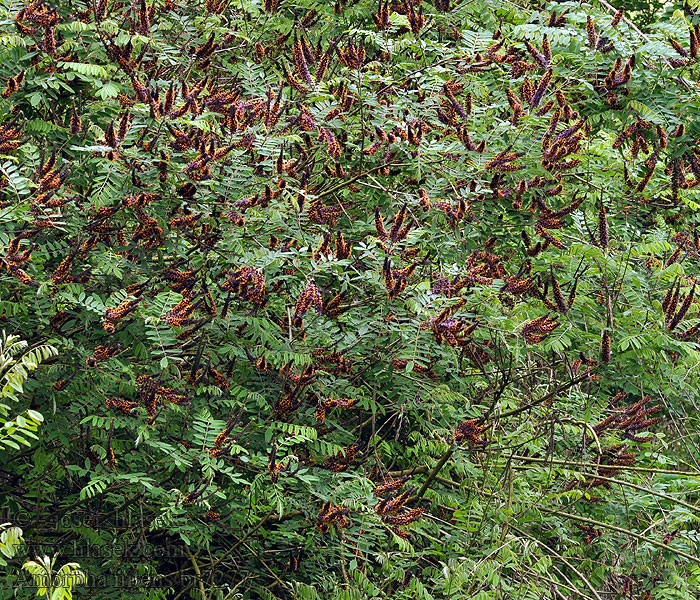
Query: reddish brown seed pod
(402, 533)
(184, 222)
(50, 41)
(416, 20)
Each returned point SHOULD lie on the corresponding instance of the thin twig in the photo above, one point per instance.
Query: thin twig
(632, 485)
(343, 569)
(633, 534)
(546, 397)
(350, 181)
(197, 572)
(436, 469)
(547, 549)
(269, 570)
(251, 531)
(621, 467)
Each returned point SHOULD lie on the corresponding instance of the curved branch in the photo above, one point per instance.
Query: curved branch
(638, 536)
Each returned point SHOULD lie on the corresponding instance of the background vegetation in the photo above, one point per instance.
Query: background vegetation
(352, 300)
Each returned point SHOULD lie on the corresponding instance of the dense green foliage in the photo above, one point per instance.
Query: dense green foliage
(275, 255)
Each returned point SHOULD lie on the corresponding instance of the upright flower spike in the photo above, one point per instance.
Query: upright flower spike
(603, 233)
(605, 347)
